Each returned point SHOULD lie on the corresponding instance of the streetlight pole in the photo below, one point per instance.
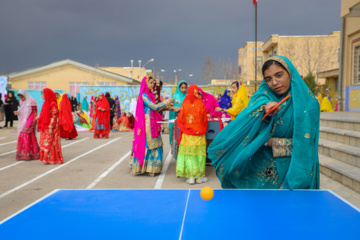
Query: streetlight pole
(139, 69)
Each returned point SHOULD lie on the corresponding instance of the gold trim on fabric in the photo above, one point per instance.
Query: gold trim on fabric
(152, 142)
(257, 112)
(268, 173)
(282, 61)
(282, 147)
(192, 141)
(189, 118)
(307, 135)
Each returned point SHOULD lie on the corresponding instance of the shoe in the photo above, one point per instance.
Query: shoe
(199, 180)
(191, 181)
(204, 179)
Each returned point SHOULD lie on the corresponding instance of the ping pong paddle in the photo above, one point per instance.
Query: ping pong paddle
(274, 107)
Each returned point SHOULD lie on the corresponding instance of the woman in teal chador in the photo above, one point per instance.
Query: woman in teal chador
(279, 152)
(178, 96)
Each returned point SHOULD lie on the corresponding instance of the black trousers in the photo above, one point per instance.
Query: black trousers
(111, 122)
(6, 123)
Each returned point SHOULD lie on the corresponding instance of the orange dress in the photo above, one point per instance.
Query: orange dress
(50, 145)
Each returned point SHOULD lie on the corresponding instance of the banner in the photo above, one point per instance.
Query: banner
(3, 84)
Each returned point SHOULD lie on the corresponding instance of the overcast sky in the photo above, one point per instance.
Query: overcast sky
(177, 34)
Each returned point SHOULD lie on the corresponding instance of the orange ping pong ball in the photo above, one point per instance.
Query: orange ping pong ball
(207, 193)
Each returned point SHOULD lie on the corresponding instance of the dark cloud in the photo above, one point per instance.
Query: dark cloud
(178, 34)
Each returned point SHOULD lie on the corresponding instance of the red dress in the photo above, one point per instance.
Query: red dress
(50, 145)
(67, 127)
(102, 122)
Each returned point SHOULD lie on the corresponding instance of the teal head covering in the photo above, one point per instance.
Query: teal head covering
(84, 105)
(178, 96)
(238, 153)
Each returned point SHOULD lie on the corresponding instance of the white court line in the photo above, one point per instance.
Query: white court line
(30, 205)
(54, 169)
(14, 164)
(182, 225)
(2, 137)
(7, 153)
(7, 143)
(160, 180)
(98, 179)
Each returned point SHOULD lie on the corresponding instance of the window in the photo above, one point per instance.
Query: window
(36, 85)
(356, 79)
(75, 87)
(107, 84)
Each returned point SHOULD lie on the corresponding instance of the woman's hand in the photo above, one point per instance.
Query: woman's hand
(172, 100)
(16, 112)
(208, 115)
(218, 109)
(269, 143)
(269, 105)
(37, 117)
(50, 131)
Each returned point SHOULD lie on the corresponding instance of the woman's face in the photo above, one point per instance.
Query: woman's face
(150, 84)
(277, 78)
(42, 95)
(10, 95)
(228, 93)
(22, 97)
(100, 96)
(234, 88)
(183, 88)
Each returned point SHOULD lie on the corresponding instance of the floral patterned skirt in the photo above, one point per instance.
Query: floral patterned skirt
(191, 157)
(50, 147)
(27, 147)
(152, 161)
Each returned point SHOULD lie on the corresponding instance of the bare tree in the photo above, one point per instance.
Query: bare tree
(208, 69)
(228, 69)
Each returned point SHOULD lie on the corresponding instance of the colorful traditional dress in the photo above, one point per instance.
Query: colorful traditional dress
(84, 105)
(67, 128)
(210, 104)
(148, 144)
(27, 145)
(239, 102)
(179, 97)
(123, 124)
(50, 143)
(326, 105)
(102, 122)
(192, 122)
(225, 102)
(238, 153)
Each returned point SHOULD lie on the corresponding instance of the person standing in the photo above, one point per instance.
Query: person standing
(11, 105)
(112, 108)
(148, 144)
(85, 105)
(27, 145)
(50, 141)
(258, 153)
(192, 121)
(102, 121)
(66, 123)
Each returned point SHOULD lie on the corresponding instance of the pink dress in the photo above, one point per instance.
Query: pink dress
(27, 145)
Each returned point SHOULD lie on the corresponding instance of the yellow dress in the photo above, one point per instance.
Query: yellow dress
(326, 105)
(320, 98)
(239, 102)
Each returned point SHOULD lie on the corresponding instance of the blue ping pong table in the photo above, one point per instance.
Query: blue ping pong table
(182, 214)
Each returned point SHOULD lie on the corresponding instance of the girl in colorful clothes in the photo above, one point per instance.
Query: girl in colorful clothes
(102, 122)
(67, 127)
(211, 105)
(260, 154)
(192, 121)
(147, 144)
(178, 96)
(239, 102)
(225, 102)
(27, 145)
(50, 141)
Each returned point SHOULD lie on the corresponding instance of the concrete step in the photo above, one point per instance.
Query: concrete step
(342, 124)
(339, 151)
(341, 172)
(347, 137)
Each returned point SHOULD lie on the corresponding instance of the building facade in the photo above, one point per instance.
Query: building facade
(67, 75)
(350, 56)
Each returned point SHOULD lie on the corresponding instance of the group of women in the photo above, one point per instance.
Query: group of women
(270, 143)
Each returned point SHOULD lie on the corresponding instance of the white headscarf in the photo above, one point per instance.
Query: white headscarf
(25, 109)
